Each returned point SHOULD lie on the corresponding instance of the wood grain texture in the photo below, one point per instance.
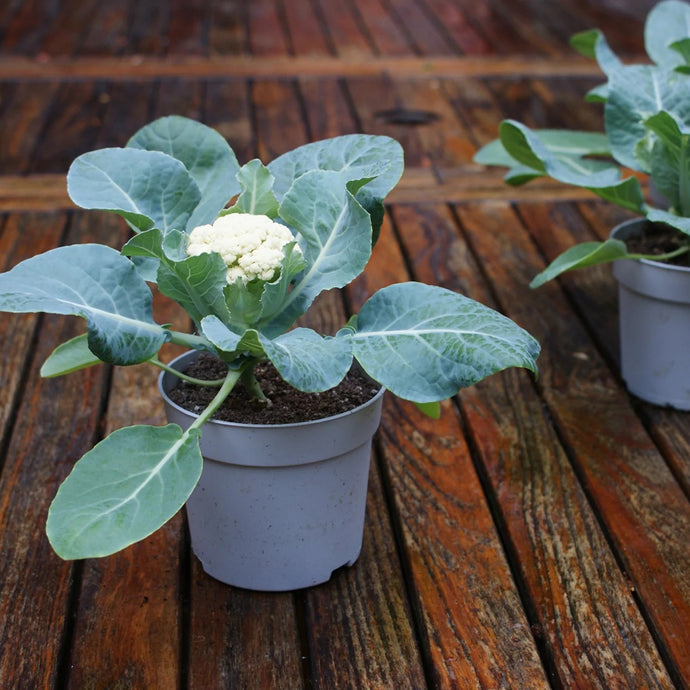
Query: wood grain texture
(476, 633)
(554, 537)
(57, 422)
(644, 511)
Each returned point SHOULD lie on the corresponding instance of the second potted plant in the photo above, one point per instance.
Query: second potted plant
(245, 250)
(647, 130)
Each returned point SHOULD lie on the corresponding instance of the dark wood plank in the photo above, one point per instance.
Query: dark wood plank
(241, 639)
(147, 28)
(72, 126)
(460, 26)
(644, 511)
(21, 237)
(388, 34)
(188, 27)
(426, 34)
(463, 587)
(267, 34)
(277, 102)
(56, 423)
(348, 36)
(24, 113)
(228, 30)
(307, 34)
(143, 639)
(578, 597)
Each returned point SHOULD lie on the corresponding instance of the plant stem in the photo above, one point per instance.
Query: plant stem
(233, 376)
(252, 385)
(190, 379)
(661, 257)
(195, 342)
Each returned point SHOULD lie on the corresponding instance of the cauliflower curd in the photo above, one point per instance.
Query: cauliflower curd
(251, 245)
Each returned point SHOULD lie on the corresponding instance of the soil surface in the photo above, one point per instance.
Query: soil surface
(288, 405)
(657, 238)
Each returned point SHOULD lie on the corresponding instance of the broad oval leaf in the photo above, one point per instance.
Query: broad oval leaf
(123, 490)
(205, 154)
(147, 188)
(197, 284)
(308, 361)
(70, 356)
(666, 23)
(424, 343)
(97, 283)
(579, 256)
(257, 195)
(358, 156)
(334, 235)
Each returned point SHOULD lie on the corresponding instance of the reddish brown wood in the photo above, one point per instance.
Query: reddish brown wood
(267, 35)
(474, 626)
(23, 117)
(141, 589)
(553, 533)
(384, 29)
(644, 511)
(56, 423)
(21, 237)
(307, 35)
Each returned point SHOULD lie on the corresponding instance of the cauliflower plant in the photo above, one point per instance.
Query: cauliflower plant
(251, 245)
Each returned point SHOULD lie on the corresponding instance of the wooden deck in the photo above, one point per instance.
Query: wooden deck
(537, 536)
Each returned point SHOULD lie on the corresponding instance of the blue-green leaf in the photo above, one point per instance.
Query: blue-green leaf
(147, 188)
(579, 256)
(97, 283)
(308, 361)
(666, 23)
(68, 357)
(378, 160)
(204, 153)
(424, 343)
(334, 235)
(257, 195)
(196, 283)
(123, 490)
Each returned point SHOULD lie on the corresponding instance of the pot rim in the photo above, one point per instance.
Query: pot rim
(661, 265)
(223, 423)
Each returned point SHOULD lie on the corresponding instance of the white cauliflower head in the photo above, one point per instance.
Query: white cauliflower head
(251, 245)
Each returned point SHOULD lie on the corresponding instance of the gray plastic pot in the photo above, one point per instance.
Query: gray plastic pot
(654, 316)
(278, 507)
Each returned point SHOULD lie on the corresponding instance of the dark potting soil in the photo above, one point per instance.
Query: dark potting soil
(657, 238)
(289, 405)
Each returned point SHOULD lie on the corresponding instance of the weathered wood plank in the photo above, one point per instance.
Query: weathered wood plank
(426, 33)
(361, 63)
(460, 26)
(24, 113)
(348, 36)
(141, 590)
(72, 126)
(644, 511)
(21, 237)
(227, 33)
(581, 607)
(385, 30)
(474, 629)
(267, 34)
(307, 34)
(46, 192)
(56, 423)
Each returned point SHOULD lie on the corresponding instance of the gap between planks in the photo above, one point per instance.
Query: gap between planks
(48, 192)
(137, 67)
